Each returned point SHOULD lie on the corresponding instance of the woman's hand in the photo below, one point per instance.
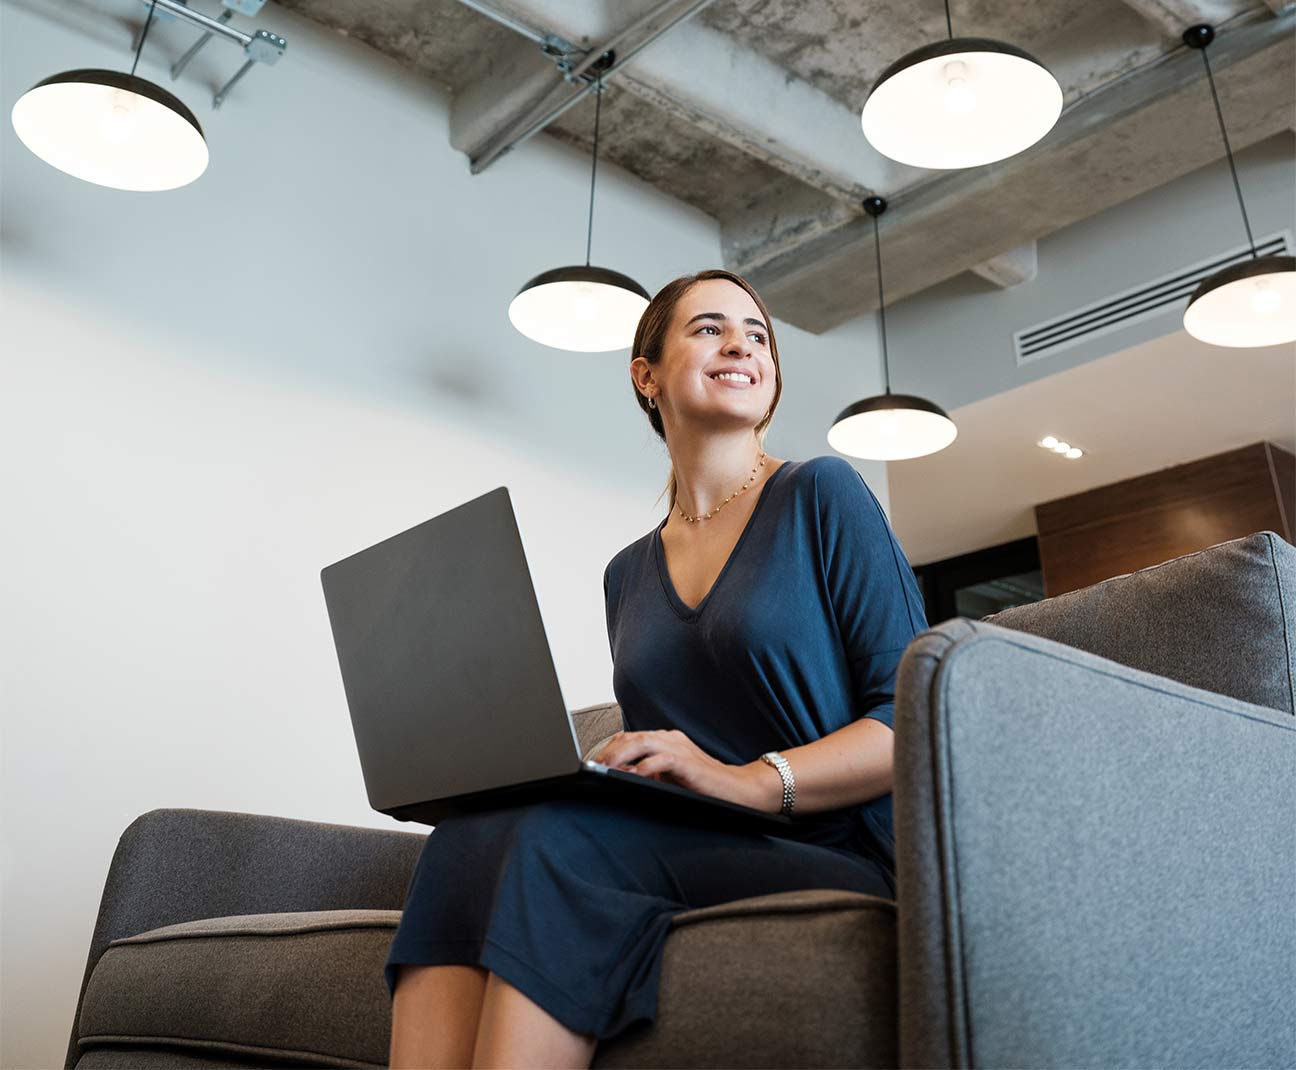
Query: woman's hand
(669, 755)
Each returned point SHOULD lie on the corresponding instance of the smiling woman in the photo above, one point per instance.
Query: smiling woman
(755, 637)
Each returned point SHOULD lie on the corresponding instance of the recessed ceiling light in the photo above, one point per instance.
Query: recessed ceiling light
(1074, 452)
(1062, 447)
(1048, 441)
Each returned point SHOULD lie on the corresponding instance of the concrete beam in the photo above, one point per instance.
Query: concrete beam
(1281, 7)
(1115, 143)
(1172, 17)
(704, 78)
(1010, 268)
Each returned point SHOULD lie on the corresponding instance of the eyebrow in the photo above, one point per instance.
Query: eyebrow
(725, 319)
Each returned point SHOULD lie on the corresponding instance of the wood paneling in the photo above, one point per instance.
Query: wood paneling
(1111, 530)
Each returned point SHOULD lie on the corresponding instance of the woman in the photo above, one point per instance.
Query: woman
(766, 613)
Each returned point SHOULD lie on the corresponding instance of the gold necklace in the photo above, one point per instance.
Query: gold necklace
(693, 519)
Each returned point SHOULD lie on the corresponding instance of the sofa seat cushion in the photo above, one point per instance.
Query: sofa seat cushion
(298, 988)
(803, 979)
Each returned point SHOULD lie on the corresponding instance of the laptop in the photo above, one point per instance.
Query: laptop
(451, 685)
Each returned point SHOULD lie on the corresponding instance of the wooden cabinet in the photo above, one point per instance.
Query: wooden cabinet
(1143, 521)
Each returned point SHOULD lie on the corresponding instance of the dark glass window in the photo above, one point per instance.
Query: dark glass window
(985, 581)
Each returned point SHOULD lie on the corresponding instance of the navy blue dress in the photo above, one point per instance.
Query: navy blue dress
(571, 901)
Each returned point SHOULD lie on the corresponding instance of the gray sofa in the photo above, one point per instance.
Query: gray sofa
(1095, 798)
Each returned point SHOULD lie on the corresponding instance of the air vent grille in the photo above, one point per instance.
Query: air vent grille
(1130, 306)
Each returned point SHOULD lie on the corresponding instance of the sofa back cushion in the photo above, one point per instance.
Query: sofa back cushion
(1222, 619)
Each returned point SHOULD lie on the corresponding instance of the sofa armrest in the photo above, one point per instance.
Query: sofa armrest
(1094, 863)
(174, 865)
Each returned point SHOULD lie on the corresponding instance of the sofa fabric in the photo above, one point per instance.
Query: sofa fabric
(306, 989)
(1094, 863)
(1223, 619)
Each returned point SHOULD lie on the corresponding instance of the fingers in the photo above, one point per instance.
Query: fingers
(630, 747)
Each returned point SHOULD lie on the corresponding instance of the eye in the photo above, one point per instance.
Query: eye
(708, 327)
(759, 337)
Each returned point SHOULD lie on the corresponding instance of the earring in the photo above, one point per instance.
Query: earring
(652, 402)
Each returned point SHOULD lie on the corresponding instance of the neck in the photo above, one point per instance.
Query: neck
(711, 468)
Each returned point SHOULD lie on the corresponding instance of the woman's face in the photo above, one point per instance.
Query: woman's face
(716, 327)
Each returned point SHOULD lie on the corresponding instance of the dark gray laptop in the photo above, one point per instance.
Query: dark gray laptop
(453, 694)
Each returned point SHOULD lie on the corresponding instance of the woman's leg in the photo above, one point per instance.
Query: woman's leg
(515, 1031)
(434, 1016)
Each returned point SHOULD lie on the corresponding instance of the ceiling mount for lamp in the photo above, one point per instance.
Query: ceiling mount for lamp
(123, 131)
(889, 427)
(1253, 302)
(962, 102)
(582, 308)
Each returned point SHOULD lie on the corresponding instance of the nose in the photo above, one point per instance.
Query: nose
(737, 345)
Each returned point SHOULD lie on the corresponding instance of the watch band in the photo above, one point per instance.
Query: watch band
(780, 763)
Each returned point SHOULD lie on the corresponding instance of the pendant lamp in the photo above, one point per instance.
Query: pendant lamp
(962, 102)
(582, 309)
(1253, 302)
(889, 427)
(112, 129)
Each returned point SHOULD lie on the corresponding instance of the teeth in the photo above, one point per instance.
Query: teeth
(734, 375)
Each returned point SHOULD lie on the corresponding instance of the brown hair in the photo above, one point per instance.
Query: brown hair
(651, 333)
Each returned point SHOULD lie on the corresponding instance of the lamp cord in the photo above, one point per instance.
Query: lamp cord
(877, 246)
(1229, 152)
(598, 107)
(949, 26)
(147, 22)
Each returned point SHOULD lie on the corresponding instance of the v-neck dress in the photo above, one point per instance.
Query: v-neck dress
(571, 901)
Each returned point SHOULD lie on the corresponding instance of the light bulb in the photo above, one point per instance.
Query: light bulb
(1048, 442)
(1265, 300)
(584, 307)
(1062, 447)
(1074, 452)
(118, 123)
(960, 98)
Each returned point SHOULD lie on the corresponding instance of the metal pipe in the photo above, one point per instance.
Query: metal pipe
(685, 13)
(499, 146)
(183, 61)
(220, 95)
(505, 20)
(206, 22)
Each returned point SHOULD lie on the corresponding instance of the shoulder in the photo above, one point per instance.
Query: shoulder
(829, 475)
(617, 565)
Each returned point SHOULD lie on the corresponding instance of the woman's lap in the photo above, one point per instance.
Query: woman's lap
(571, 900)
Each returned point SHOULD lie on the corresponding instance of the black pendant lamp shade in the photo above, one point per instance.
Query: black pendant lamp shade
(581, 308)
(962, 102)
(1253, 302)
(112, 129)
(889, 427)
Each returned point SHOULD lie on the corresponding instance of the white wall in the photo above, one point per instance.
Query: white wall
(211, 393)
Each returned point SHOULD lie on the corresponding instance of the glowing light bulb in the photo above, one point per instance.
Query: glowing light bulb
(1062, 447)
(1264, 298)
(118, 123)
(1074, 452)
(889, 424)
(1048, 442)
(584, 306)
(960, 98)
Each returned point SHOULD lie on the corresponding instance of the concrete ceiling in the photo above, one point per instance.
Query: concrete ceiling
(1162, 403)
(749, 110)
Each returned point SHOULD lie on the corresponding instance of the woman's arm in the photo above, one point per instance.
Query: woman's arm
(844, 768)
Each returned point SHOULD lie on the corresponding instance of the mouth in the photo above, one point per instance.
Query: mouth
(729, 380)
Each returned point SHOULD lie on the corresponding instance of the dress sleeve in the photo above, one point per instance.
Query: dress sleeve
(607, 603)
(871, 585)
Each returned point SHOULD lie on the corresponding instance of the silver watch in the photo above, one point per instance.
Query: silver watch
(780, 763)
